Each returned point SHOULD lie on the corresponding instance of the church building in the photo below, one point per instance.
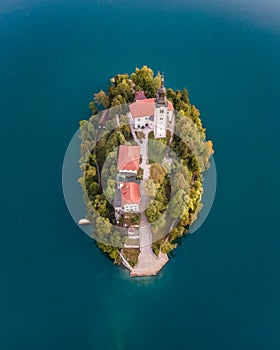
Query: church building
(154, 113)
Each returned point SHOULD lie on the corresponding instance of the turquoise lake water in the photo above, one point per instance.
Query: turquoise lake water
(221, 289)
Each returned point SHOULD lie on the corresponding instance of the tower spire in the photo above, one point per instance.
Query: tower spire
(162, 80)
(161, 93)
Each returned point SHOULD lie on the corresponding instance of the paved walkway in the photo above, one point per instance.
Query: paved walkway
(148, 263)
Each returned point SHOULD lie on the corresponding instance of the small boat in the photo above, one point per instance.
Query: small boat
(84, 222)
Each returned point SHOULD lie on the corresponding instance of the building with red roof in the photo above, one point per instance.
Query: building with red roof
(128, 159)
(155, 113)
(140, 95)
(130, 197)
(145, 108)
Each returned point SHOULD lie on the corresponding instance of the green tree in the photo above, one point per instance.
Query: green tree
(112, 251)
(150, 188)
(153, 211)
(110, 190)
(101, 98)
(102, 226)
(143, 79)
(167, 247)
(100, 205)
(157, 173)
(179, 181)
(93, 108)
(93, 189)
(121, 89)
(178, 204)
(158, 224)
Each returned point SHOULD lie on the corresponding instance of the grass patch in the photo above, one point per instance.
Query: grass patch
(131, 255)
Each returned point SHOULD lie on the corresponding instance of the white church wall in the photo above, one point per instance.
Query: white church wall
(131, 207)
(160, 122)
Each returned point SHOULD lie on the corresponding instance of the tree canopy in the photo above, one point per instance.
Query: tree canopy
(189, 143)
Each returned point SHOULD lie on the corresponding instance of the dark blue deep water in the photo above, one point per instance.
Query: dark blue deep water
(221, 291)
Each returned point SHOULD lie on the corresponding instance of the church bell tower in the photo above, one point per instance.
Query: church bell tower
(161, 106)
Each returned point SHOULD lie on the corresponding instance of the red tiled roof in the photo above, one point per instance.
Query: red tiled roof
(130, 193)
(129, 158)
(140, 95)
(141, 108)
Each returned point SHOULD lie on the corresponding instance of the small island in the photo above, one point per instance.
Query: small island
(143, 154)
